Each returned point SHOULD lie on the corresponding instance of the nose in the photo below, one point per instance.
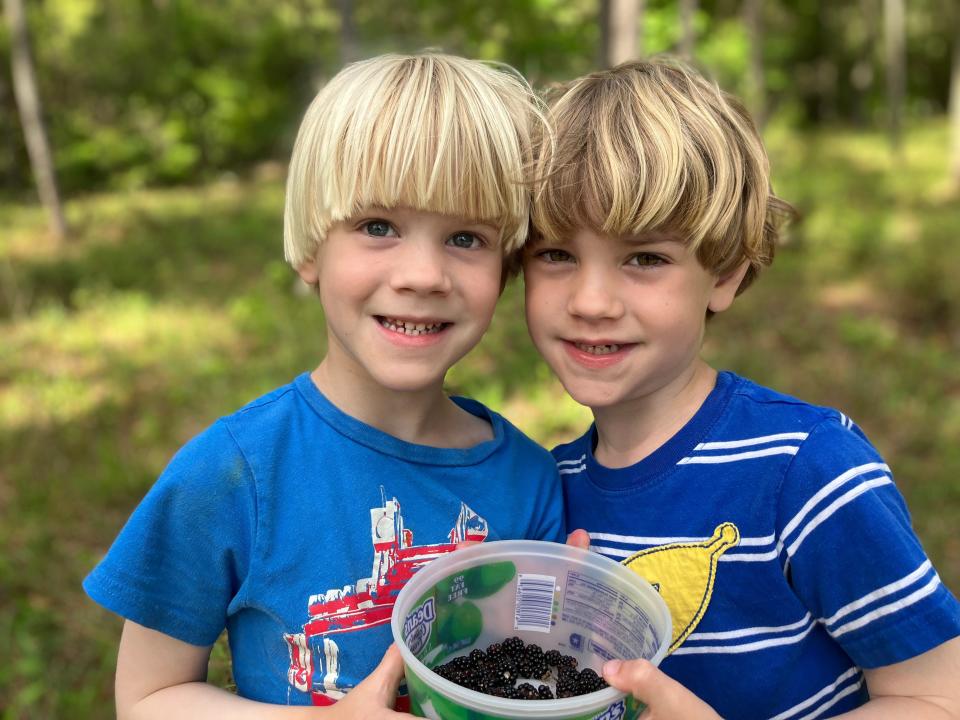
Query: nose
(421, 267)
(594, 296)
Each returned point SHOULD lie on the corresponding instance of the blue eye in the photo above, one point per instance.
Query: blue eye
(378, 228)
(465, 240)
(646, 260)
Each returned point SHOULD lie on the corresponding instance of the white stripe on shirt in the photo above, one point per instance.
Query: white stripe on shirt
(744, 647)
(736, 457)
(746, 632)
(914, 597)
(849, 689)
(823, 692)
(750, 441)
(879, 593)
(826, 490)
(824, 514)
(650, 540)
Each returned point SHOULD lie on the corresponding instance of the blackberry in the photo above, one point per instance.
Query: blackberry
(552, 657)
(589, 681)
(513, 646)
(497, 669)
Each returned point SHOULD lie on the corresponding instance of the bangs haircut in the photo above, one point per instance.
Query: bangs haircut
(654, 147)
(431, 132)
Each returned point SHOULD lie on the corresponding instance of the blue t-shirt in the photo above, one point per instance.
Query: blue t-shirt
(294, 526)
(775, 533)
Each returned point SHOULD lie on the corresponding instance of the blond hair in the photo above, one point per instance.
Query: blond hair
(430, 131)
(650, 146)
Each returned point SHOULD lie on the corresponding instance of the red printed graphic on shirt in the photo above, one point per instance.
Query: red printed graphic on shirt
(314, 653)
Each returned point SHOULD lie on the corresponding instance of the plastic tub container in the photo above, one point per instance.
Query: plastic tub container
(556, 596)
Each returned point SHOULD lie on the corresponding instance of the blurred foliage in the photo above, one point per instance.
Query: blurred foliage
(147, 92)
(172, 305)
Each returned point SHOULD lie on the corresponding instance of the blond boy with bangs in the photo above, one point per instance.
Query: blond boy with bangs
(771, 527)
(294, 522)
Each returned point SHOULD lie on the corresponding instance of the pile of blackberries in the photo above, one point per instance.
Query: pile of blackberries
(496, 671)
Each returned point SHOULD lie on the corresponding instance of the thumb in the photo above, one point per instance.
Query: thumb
(580, 539)
(385, 678)
(663, 696)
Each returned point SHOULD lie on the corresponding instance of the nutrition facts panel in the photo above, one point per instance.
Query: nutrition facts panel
(608, 613)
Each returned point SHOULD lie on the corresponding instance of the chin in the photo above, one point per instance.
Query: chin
(593, 397)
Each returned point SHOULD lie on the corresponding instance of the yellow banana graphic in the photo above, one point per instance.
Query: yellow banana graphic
(683, 573)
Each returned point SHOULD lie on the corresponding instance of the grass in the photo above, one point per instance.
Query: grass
(172, 307)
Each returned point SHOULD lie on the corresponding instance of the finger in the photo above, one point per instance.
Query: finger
(664, 696)
(580, 539)
(466, 544)
(386, 677)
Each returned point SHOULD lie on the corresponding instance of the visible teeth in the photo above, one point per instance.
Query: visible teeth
(598, 349)
(413, 329)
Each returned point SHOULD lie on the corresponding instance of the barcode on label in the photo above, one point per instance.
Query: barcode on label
(534, 602)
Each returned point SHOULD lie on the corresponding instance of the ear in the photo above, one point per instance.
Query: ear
(309, 272)
(725, 289)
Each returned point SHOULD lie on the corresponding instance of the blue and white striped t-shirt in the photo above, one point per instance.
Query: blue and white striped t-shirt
(775, 533)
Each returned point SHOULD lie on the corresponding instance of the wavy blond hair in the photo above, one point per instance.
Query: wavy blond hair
(429, 131)
(653, 145)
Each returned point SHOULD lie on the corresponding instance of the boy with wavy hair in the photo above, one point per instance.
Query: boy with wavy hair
(294, 522)
(771, 527)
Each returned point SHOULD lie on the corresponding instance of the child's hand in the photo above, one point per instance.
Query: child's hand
(664, 697)
(375, 696)
(580, 539)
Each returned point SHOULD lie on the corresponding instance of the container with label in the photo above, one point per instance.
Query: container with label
(557, 596)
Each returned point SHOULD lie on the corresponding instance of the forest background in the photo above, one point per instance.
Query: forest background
(148, 295)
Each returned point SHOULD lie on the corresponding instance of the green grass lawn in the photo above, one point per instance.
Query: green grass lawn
(172, 307)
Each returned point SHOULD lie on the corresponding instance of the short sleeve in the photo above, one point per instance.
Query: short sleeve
(184, 553)
(849, 551)
(550, 525)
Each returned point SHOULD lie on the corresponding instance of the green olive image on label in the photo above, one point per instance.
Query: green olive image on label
(476, 582)
(461, 625)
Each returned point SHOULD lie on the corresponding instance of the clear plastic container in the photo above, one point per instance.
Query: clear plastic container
(556, 596)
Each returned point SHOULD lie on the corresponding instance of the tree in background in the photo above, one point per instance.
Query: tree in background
(621, 23)
(894, 35)
(31, 117)
(756, 88)
(955, 106)
(688, 35)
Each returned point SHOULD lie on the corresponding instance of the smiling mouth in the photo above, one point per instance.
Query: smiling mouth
(597, 349)
(412, 329)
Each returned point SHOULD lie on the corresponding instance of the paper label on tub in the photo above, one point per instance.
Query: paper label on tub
(533, 609)
(608, 614)
(416, 628)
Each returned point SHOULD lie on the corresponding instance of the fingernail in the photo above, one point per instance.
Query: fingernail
(612, 667)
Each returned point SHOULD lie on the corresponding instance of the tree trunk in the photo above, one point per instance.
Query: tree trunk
(349, 50)
(896, 67)
(31, 117)
(688, 37)
(955, 109)
(621, 38)
(756, 84)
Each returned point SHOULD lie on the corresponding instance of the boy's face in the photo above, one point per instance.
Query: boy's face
(620, 319)
(405, 293)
